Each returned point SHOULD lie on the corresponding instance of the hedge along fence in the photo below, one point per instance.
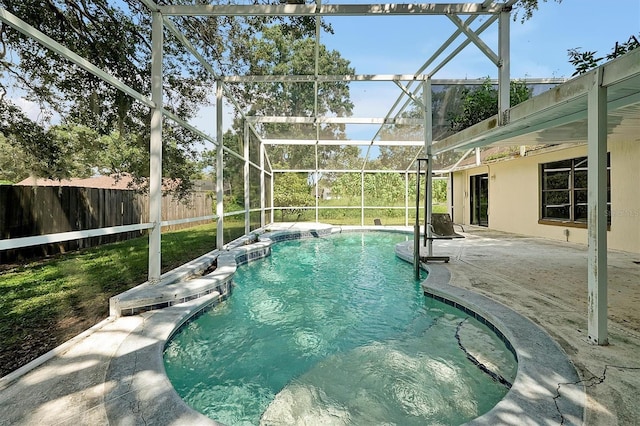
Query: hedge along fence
(38, 210)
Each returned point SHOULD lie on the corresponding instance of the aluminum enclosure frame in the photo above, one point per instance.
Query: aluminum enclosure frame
(160, 21)
(596, 111)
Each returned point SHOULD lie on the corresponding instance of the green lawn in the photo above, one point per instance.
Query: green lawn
(46, 302)
(351, 216)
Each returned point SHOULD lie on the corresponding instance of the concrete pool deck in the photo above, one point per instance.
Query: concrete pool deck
(546, 281)
(113, 374)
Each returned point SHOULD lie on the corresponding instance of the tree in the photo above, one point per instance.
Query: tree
(347, 186)
(481, 103)
(278, 52)
(585, 61)
(20, 133)
(292, 190)
(384, 188)
(115, 36)
(14, 162)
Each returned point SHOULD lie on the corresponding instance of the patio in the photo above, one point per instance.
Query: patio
(99, 377)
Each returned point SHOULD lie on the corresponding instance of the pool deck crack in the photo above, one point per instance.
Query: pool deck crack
(587, 383)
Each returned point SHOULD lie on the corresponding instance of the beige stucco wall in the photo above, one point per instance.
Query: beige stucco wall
(514, 195)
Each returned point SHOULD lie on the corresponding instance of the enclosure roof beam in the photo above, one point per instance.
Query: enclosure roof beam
(337, 120)
(321, 78)
(373, 77)
(332, 9)
(31, 32)
(329, 142)
(390, 171)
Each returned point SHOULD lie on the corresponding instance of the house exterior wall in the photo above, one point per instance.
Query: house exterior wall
(514, 195)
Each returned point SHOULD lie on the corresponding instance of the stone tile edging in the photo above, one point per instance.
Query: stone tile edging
(547, 388)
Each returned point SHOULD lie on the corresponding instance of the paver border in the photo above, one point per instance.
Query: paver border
(136, 389)
(547, 387)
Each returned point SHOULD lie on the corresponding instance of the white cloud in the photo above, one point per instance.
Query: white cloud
(31, 109)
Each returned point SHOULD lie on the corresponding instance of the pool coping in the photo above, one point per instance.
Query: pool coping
(135, 388)
(547, 388)
(142, 390)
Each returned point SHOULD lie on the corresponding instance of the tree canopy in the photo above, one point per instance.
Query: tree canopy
(115, 36)
(278, 52)
(82, 114)
(481, 103)
(585, 61)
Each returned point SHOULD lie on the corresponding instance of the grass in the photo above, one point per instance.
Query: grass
(338, 216)
(46, 302)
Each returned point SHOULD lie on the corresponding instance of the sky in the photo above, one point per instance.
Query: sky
(401, 44)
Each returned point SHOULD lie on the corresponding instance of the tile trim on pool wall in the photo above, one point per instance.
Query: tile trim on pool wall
(475, 315)
(542, 393)
(547, 388)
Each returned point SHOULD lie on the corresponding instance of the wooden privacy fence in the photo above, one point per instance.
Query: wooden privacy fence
(38, 210)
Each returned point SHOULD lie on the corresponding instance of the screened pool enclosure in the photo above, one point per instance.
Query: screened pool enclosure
(344, 159)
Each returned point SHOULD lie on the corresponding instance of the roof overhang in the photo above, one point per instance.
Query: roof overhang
(559, 115)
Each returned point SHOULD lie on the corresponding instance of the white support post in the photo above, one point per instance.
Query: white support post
(263, 201)
(362, 198)
(316, 72)
(406, 198)
(247, 203)
(597, 211)
(316, 179)
(273, 210)
(428, 140)
(155, 151)
(219, 169)
(504, 65)
(450, 195)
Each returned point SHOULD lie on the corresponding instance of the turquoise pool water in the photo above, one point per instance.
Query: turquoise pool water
(335, 330)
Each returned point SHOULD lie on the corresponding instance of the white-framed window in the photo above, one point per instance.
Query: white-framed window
(563, 191)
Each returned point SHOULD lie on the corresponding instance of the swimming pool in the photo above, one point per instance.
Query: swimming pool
(335, 330)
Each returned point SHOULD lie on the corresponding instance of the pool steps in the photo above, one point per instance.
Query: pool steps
(535, 395)
(191, 280)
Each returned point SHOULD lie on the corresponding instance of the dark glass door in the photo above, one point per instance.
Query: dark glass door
(479, 185)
